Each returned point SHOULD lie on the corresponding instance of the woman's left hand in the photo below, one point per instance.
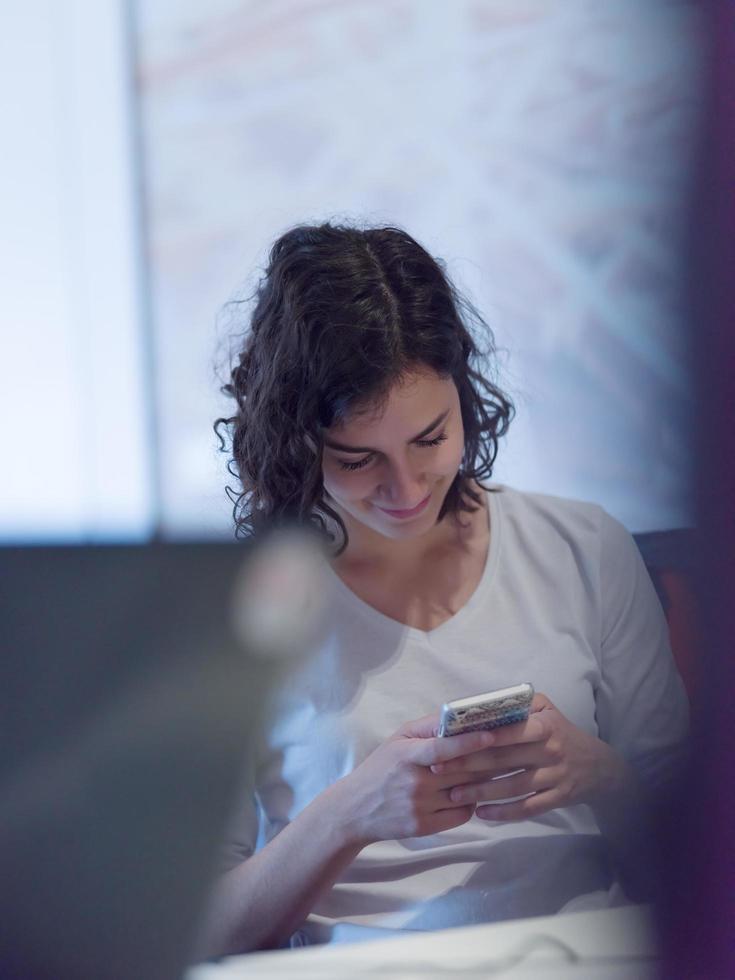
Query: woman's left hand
(562, 765)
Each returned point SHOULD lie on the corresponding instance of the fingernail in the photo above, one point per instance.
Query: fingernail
(438, 767)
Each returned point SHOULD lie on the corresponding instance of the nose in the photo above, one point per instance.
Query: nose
(402, 487)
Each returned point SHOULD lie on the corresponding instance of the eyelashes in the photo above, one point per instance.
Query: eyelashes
(424, 443)
(442, 437)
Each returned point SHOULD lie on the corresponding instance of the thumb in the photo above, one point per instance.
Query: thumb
(540, 702)
(426, 727)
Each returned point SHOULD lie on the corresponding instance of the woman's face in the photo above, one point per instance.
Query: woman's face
(390, 468)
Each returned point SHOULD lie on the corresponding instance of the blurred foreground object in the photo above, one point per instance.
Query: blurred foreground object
(278, 599)
(697, 903)
(605, 944)
(129, 692)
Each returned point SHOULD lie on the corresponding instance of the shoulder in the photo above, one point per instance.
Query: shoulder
(543, 513)
(562, 529)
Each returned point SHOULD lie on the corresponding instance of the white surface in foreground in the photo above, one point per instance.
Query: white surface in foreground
(609, 943)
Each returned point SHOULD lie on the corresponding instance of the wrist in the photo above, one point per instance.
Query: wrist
(345, 818)
(623, 816)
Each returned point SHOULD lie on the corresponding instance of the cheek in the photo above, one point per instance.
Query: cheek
(346, 485)
(449, 459)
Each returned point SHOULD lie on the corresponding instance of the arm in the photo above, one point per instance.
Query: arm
(561, 765)
(642, 721)
(624, 811)
(392, 794)
(642, 709)
(262, 901)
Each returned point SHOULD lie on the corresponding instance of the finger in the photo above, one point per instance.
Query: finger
(518, 784)
(429, 751)
(539, 702)
(425, 727)
(532, 806)
(496, 760)
(442, 800)
(536, 728)
(446, 780)
(448, 819)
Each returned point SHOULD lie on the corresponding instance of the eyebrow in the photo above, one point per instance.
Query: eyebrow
(367, 449)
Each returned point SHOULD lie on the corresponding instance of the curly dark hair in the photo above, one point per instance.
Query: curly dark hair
(341, 314)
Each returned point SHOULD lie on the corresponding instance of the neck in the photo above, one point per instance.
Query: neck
(368, 547)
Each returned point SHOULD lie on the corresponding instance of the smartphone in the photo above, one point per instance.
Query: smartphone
(486, 711)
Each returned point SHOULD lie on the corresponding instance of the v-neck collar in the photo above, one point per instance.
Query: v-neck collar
(491, 560)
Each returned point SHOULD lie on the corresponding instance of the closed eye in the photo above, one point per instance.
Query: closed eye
(424, 443)
(355, 466)
(442, 437)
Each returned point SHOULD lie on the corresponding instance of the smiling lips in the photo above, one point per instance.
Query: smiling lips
(402, 514)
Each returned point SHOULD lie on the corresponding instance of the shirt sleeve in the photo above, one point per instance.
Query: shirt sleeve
(241, 833)
(642, 707)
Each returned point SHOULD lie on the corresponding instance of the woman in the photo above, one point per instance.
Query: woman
(360, 409)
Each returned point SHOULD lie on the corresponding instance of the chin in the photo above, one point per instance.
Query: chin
(401, 528)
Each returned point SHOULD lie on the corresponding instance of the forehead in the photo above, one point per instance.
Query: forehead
(413, 400)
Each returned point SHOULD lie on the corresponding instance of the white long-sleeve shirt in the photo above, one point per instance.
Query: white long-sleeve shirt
(564, 602)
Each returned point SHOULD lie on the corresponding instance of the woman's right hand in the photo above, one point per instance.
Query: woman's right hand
(260, 902)
(394, 794)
